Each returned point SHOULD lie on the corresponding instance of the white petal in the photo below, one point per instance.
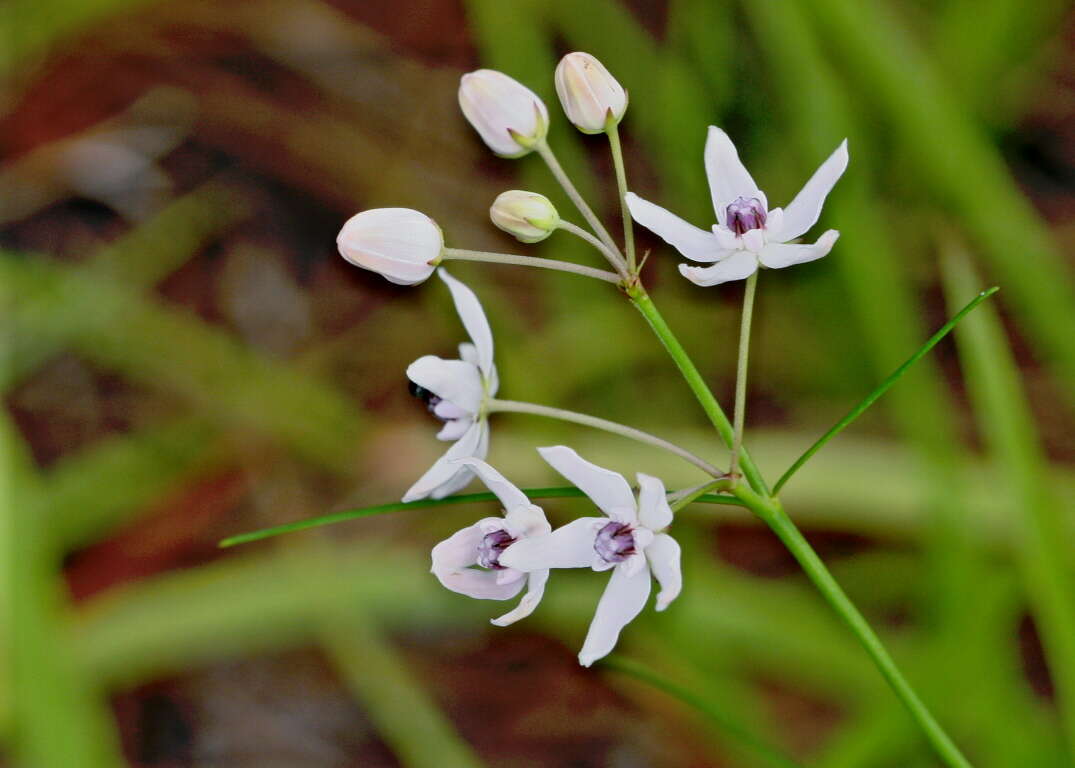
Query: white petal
(569, 546)
(445, 477)
(454, 429)
(607, 489)
(663, 555)
(738, 266)
(452, 380)
(778, 255)
(692, 242)
(624, 598)
(727, 240)
(451, 559)
(473, 317)
(468, 353)
(803, 212)
(510, 496)
(753, 240)
(653, 509)
(526, 606)
(728, 178)
(446, 410)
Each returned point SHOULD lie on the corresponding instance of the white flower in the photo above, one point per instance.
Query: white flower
(508, 115)
(588, 92)
(455, 392)
(484, 543)
(747, 232)
(629, 541)
(528, 216)
(397, 243)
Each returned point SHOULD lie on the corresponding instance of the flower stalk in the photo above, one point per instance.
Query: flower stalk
(739, 415)
(461, 254)
(612, 130)
(581, 233)
(512, 406)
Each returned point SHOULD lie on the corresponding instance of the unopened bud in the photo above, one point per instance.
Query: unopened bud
(589, 94)
(528, 216)
(510, 117)
(400, 244)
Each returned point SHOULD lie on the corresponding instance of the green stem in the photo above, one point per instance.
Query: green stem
(772, 514)
(562, 179)
(512, 406)
(581, 233)
(644, 304)
(613, 132)
(461, 254)
(741, 371)
(687, 496)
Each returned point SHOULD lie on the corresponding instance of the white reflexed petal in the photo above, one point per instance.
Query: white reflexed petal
(446, 477)
(510, 496)
(664, 555)
(623, 599)
(453, 380)
(691, 241)
(607, 489)
(754, 240)
(535, 591)
(452, 558)
(728, 178)
(803, 212)
(569, 546)
(738, 266)
(653, 509)
(446, 409)
(397, 243)
(778, 255)
(454, 429)
(473, 317)
(727, 240)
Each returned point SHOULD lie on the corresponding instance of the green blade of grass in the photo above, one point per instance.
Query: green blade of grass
(1008, 428)
(745, 740)
(883, 387)
(564, 492)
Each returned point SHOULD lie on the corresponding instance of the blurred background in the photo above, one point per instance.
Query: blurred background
(186, 357)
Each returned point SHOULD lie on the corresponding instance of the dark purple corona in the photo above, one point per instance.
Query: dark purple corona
(491, 547)
(423, 394)
(743, 215)
(614, 542)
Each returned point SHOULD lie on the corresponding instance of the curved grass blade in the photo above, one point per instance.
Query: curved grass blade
(727, 724)
(883, 387)
(563, 492)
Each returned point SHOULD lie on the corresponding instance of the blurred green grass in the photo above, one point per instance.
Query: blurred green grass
(961, 547)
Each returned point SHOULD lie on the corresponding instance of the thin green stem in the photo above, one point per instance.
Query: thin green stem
(683, 498)
(644, 304)
(772, 514)
(883, 387)
(512, 406)
(564, 492)
(612, 130)
(461, 254)
(741, 371)
(562, 179)
(579, 232)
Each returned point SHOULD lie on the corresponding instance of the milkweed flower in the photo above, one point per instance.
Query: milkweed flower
(588, 93)
(528, 216)
(629, 541)
(455, 391)
(747, 232)
(469, 561)
(508, 116)
(400, 244)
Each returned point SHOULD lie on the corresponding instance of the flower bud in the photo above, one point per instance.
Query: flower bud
(588, 92)
(527, 216)
(397, 243)
(509, 116)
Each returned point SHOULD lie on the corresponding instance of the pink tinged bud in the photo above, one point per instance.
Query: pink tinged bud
(400, 244)
(510, 118)
(744, 215)
(528, 216)
(615, 542)
(588, 93)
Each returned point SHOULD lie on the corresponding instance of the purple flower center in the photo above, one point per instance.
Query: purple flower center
(743, 215)
(423, 394)
(614, 542)
(491, 547)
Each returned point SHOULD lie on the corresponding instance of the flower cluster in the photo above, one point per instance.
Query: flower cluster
(497, 558)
